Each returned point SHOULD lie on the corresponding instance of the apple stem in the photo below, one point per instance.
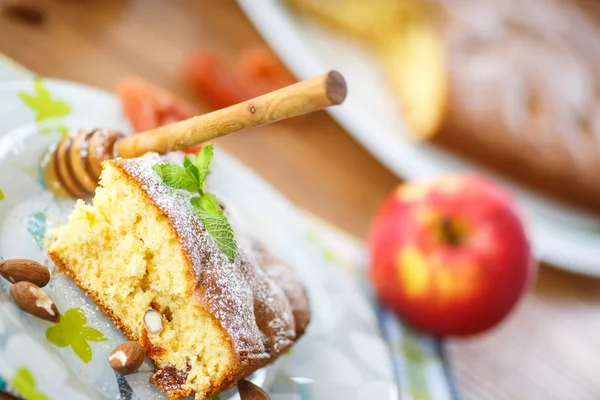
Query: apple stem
(449, 232)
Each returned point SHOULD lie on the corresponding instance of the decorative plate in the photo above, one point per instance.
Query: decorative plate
(342, 356)
(561, 235)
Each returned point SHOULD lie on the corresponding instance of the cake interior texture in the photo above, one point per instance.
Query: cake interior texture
(129, 255)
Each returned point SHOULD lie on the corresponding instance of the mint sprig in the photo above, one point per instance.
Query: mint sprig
(176, 177)
(203, 160)
(191, 177)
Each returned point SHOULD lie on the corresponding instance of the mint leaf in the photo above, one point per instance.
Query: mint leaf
(176, 177)
(211, 204)
(191, 169)
(221, 231)
(203, 161)
(207, 202)
(192, 158)
(197, 203)
(209, 211)
(191, 177)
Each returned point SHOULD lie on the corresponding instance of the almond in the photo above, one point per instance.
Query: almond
(153, 322)
(26, 11)
(20, 269)
(249, 391)
(35, 301)
(127, 358)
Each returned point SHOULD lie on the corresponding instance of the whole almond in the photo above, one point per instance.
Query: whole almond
(153, 322)
(127, 358)
(249, 391)
(34, 301)
(20, 269)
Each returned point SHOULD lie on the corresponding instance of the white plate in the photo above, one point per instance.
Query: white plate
(562, 236)
(343, 330)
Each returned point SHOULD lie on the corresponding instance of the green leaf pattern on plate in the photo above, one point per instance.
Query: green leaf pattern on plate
(71, 331)
(24, 383)
(328, 255)
(1, 195)
(416, 365)
(46, 108)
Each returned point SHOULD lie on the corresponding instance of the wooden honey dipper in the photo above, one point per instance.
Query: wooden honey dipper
(73, 167)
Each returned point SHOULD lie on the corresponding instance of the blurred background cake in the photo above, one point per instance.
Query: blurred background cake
(510, 84)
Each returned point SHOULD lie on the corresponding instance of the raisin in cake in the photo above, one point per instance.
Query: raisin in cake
(140, 251)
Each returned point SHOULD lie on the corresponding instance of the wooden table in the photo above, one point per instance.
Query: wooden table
(549, 348)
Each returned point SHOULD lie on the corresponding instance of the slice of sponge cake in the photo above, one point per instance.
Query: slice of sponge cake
(148, 262)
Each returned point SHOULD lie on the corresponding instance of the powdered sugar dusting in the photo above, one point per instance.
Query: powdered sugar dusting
(272, 309)
(242, 298)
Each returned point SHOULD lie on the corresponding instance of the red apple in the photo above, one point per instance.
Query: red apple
(451, 256)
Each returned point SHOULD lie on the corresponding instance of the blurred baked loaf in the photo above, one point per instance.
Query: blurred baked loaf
(524, 92)
(510, 84)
